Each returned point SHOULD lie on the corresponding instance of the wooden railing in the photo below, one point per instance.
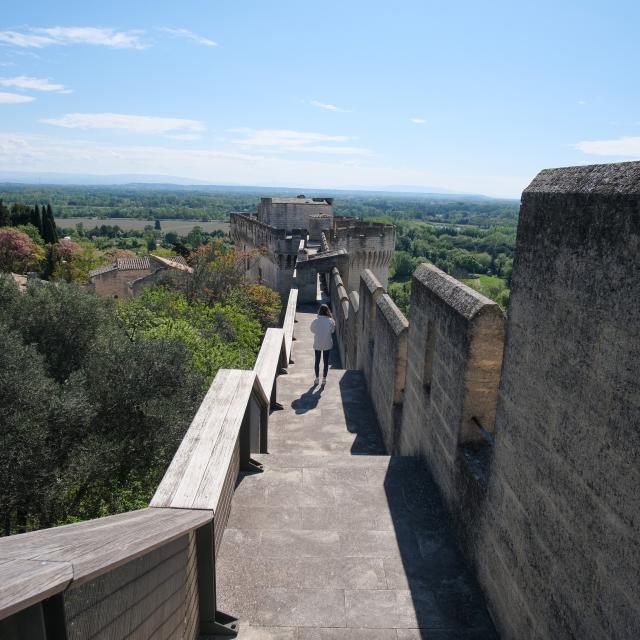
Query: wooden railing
(151, 572)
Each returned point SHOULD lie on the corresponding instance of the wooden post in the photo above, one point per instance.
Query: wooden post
(212, 621)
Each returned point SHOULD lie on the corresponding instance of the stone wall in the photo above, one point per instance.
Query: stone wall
(351, 332)
(270, 255)
(370, 291)
(340, 309)
(293, 213)
(117, 283)
(537, 461)
(388, 371)
(455, 353)
(557, 546)
(372, 331)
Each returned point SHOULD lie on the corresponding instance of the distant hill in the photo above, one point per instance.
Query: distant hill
(145, 182)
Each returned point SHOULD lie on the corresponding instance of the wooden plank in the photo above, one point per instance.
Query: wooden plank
(97, 546)
(202, 434)
(26, 582)
(269, 358)
(203, 491)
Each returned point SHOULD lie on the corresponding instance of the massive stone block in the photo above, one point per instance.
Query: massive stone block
(370, 291)
(388, 370)
(557, 542)
(351, 337)
(455, 347)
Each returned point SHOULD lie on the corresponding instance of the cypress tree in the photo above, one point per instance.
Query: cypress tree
(35, 218)
(49, 227)
(4, 215)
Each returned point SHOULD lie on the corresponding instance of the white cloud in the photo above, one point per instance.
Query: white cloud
(119, 121)
(418, 121)
(185, 136)
(39, 38)
(56, 154)
(14, 98)
(34, 84)
(328, 107)
(582, 102)
(285, 140)
(628, 146)
(190, 35)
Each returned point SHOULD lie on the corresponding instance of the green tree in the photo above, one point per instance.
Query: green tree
(36, 219)
(403, 265)
(49, 231)
(5, 218)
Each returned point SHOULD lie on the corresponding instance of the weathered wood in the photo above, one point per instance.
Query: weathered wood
(289, 321)
(197, 473)
(26, 582)
(145, 598)
(202, 426)
(98, 546)
(272, 354)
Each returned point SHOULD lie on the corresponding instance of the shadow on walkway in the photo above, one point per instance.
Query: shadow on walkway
(430, 578)
(308, 400)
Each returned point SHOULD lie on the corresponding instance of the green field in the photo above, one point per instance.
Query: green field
(179, 226)
(492, 287)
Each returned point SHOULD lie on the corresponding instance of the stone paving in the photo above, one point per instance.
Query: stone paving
(336, 540)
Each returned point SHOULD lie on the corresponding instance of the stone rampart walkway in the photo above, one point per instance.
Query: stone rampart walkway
(336, 540)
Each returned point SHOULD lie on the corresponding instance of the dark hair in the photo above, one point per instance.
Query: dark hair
(324, 311)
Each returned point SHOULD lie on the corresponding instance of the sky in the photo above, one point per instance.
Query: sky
(466, 96)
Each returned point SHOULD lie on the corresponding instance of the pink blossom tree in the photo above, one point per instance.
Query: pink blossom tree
(18, 252)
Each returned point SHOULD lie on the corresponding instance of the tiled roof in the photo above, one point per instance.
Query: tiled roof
(101, 270)
(129, 264)
(178, 259)
(139, 264)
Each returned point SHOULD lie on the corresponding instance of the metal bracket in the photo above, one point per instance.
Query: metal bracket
(224, 626)
(276, 406)
(251, 466)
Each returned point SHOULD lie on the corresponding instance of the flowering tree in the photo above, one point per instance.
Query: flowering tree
(18, 252)
(69, 249)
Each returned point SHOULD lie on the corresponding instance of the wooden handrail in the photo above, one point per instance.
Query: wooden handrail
(39, 564)
(196, 475)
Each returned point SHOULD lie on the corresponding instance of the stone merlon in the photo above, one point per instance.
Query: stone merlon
(463, 299)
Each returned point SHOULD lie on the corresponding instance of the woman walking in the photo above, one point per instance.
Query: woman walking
(322, 328)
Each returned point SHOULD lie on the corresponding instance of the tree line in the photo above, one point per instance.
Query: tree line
(97, 394)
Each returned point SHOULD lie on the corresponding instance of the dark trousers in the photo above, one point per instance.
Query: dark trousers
(325, 361)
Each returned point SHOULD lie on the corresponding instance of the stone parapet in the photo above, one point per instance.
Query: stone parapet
(533, 440)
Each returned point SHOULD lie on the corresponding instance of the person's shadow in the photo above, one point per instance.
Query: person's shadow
(308, 400)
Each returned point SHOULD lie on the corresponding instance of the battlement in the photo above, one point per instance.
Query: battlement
(344, 227)
(278, 224)
(313, 214)
(530, 437)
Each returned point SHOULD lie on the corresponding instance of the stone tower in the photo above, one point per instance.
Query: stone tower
(301, 235)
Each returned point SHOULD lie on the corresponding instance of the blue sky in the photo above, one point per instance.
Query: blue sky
(466, 96)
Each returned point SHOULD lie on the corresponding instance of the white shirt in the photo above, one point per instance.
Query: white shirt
(322, 328)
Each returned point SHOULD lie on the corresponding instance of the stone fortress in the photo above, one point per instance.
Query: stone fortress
(287, 233)
(530, 426)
